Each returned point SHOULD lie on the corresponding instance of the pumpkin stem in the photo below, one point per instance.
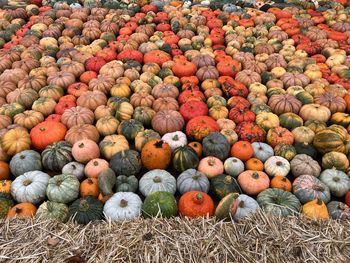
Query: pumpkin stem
(22, 157)
(199, 198)
(228, 179)
(241, 204)
(95, 163)
(336, 179)
(123, 203)
(84, 205)
(159, 144)
(255, 175)
(90, 181)
(211, 162)
(279, 163)
(42, 129)
(81, 145)
(196, 176)
(319, 201)
(176, 138)
(157, 179)
(27, 182)
(18, 210)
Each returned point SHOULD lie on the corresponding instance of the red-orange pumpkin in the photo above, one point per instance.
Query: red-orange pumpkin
(46, 133)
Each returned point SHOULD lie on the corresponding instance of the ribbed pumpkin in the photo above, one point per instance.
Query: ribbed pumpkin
(126, 162)
(130, 128)
(200, 127)
(216, 144)
(156, 154)
(334, 138)
(85, 210)
(25, 161)
(184, 158)
(196, 204)
(57, 155)
(223, 185)
(47, 133)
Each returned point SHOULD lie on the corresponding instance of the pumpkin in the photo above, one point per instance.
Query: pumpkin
(74, 168)
(145, 136)
(200, 127)
(94, 167)
(196, 204)
(21, 211)
(281, 182)
(227, 206)
(267, 120)
(278, 202)
(262, 151)
(25, 161)
(46, 133)
(63, 188)
(15, 141)
(254, 164)
(85, 150)
(251, 132)
(216, 144)
(338, 210)
(283, 103)
(333, 138)
(28, 119)
(77, 115)
(338, 182)
(166, 121)
(156, 154)
(192, 180)
(126, 162)
(307, 188)
(197, 147)
(184, 158)
(211, 166)
(233, 166)
(52, 211)
(304, 164)
(85, 210)
(303, 135)
(30, 187)
(126, 183)
(89, 187)
(57, 155)
(277, 166)
(193, 108)
(335, 160)
(222, 185)
(253, 182)
(279, 135)
(106, 181)
(290, 121)
(242, 150)
(130, 128)
(175, 139)
(159, 204)
(122, 206)
(230, 135)
(113, 144)
(157, 180)
(286, 151)
(315, 209)
(315, 112)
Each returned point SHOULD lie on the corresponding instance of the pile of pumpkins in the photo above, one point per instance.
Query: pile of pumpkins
(120, 113)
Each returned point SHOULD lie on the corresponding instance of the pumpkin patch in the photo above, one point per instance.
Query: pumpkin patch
(122, 109)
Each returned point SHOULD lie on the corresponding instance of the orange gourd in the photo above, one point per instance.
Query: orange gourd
(196, 204)
(89, 187)
(94, 167)
(242, 150)
(156, 154)
(22, 210)
(197, 147)
(281, 182)
(253, 182)
(254, 164)
(5, 186)
(4, 171)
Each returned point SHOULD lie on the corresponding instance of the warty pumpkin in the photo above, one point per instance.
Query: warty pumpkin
(196, 204)
(156, 154)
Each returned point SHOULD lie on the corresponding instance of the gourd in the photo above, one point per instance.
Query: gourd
(315, 209)
(57, 155)
(277, 166)
(63, 188)
(25, 161)
(85, 150)
(85, 210)
(6, 202)
(106, 181)
(262, 151)
(335, 160)
(246, 206)
(216, 144)
(223, 185)
(307, 188)
(159, 204)
(227, 207)
(126, 162)
(253, 182)
(30, 187)
(338, 182)
(184, 157)
(175, 139)
(192, 180)
(52, 211)
(157, 180)
(22, 210)
(338, 210)
(278, 202)
(74, 168)
(211, 166)
(126, 184)
(196, 204)
(233, 166)
(156, 154)
(122, 206)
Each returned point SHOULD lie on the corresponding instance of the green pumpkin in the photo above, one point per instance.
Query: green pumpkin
(57, 155)
(184, 158)
(159, 204)
(278, 202)
(266, 77)
(305, 148)
(6, 202)
(126, 162)
(106, 181)
(108, 36)
(223, 185)
(334, 138)
(165, 72)
(25, 161)
(85, 210)
(227, 205)
(11, 109)
(52, 211)
(315, 126)
(305, 97)
(114, 102)
(144, 115)
(216, 100)
(286, 151)
(63, 188)
(259, 108)
(175, 26)
(216, 144)
(290, 120)
(335, 160)
(130, 128)
(126, 184)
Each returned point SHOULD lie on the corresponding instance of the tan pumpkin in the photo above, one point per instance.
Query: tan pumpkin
(103, 111)
(113, 69)
(166, 103)
(35, 82)
(166, 121)
(112, 144)
(103, 83)
(333, 102)
(92, 99)
(303, 134)
(107, 125)
(295, 79)
(77, 115)
(121, 90)
(141, 99)
(15, 141)
(62, 79)
(282, 103)
(315, 112)
(82, 131)
(44, 105)
(248, 77)
(28, 119)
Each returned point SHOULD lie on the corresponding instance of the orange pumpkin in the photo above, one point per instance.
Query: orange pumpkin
(22, 210)
(253, 182)
(254, 164)
(46, 133)
(5, 186)
(197, 147)
(184, 68)
(196, 204)
(279, 135)
(242, 150)
(156, 154)
(4, 171)
(89, 187)
(281, 182)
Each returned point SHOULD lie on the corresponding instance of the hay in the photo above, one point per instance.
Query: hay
(258, 239)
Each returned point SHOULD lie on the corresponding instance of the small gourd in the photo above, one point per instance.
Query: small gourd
(106, 181)
(74, 168)
(223, 185)
(85, 210)
(175, 139)
(52, 211)
(315, 209)
(338, 182)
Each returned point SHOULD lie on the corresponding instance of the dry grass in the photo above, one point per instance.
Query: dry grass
(258, 239)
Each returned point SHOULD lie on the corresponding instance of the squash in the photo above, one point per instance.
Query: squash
(46, 133)
(166, 121)
(315, 112)
(85, 150)
(184, 158)
(52, 211)
(262, 151)
(278, 202)
(253, 182)
(159, 204)
(307, 188)
(334, 138)
(156, 154)
(305, 148)
(223, 184)
(122, 206)
(279, 135)
(216, 144)
(315, 209)
(192, 180)
(281, 182)
(338, 182)
(85, 210)
(63, 188)
(242, 150)
(126, 183)
(211, 166)
(57, 155)
(130, 128)
(74, 168)
(338, 210)
(106, 181)
(196, 204)
(25, 161)
(287, 151)
(233, 166)
(157, 180)
(126, 162)
(290, 121)
(145, 136)
(89, 187)
(303, 135)
(227, 207)
(113, 144)
(175, 139)
(304, 164)
(335, 160)
(277, 166)
(15, 141)
(30, 187)
(95, 167)
(21, 211)
(246, 206)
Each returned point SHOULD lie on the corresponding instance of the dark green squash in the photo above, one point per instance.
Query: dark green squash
(126, 184)
(286, 151)
(290, 120)
(216, 144)
(305, 148)
(159, 204)
(57, 155)
(114, 102)
(85, 210)
(126, 162)
(223, 185)
(6, 202)
(144, 115)
(130, 128)
(184, 158)
(165, 72)
(107, 181)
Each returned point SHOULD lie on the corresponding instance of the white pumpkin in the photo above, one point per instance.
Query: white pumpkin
(30, 187)
(246, 206)
(233, 166)
(262, 151)
(277, 166)
(175, 139)
(337, 181)
(157, 180)
(192, 180)
(122, 206)
(74, 168)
